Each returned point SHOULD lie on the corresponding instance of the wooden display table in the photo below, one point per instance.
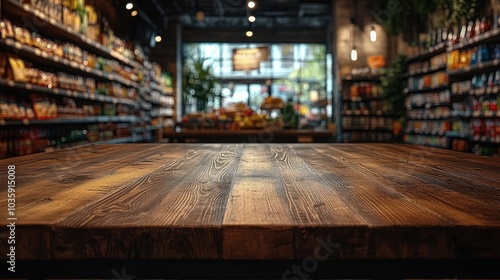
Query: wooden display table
(250, 136)
(274, 211)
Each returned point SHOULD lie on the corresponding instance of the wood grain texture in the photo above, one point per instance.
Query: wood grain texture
(255, 201)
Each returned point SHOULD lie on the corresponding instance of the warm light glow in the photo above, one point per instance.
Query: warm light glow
(249, 33)
(134, 13)
(200, 16)
(354, 54)
(251, 4)
(129, 6)
(251, 19)
(373, 35)
(158, 39)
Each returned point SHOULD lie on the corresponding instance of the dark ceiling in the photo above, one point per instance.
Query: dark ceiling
(233, 13)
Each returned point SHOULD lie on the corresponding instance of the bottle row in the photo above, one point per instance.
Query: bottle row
(367, 122)
(486, 83)
(367, 136)
(427, 100)
(373, 107)
(437, 127)
(474, 106)
(426, 140)
(461, 59)
(455, 35)
(438, 79)
(19, 70)
(364, 90)
(58, 49)
(25, 141)
(435, 62)
(43, 107)
(429, 113)
(82, 18)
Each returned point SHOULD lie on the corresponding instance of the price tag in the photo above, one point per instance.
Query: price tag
(498, 115)
(11, 83)
(28, 86)
(476, 137)
(484, 139)
(56, 91)
(74, 64)
(476, 114)
(101, 98)
(26, 121)
(37, 52)
(2, 122)
(18, 45)
(52, 21)
(495, 90)
(488, 90)
(488, 114)
(44, 54)
(86, 95)
(111, 77)
(57, 59)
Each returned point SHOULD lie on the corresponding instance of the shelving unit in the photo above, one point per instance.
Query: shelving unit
(428, 98)
(474, 91)
(132, 119)
(363, 118)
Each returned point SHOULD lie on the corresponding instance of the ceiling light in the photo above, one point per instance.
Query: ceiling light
(134, 13)
(158, 39)
(354, 54)
(249, 33)
(129, 6)
(200, 16)
(251, 18)
(373, 34)
(251, 4)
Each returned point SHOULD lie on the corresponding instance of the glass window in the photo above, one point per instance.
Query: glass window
(292, 72)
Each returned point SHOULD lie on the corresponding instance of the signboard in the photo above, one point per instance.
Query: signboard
(249, 58)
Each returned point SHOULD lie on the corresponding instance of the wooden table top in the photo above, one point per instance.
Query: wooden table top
(255, 201)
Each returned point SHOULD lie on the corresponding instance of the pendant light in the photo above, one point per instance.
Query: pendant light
(354, 53)
(373, 34)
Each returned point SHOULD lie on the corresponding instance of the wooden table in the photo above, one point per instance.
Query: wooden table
(255, 210)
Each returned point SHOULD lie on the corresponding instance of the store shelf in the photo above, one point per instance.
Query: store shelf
(439, 134)
(61, 121)
(64, 92)
(369, 129)
(492, 36)
(442, 118)
(428, 105)
(426, 71)
(476, 114)
(457, 135)
(362, 114)
(479, 68)
(480, 91)
(55, 29)
(361, 99)
(422, 90)
(437, 49)
(37, 55)
(367, 78)
(485, 139)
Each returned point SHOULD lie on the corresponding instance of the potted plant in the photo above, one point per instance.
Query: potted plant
(393, 85)
(199, 84)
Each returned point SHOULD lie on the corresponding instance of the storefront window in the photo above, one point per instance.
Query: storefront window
(293, 72)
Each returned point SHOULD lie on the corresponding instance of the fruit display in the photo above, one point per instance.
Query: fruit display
(239, 116)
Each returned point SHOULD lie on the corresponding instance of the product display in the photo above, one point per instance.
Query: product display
(363, 113)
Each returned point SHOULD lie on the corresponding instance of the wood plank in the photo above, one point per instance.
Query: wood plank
(256, 212)
(320, 215)
(175, 211)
